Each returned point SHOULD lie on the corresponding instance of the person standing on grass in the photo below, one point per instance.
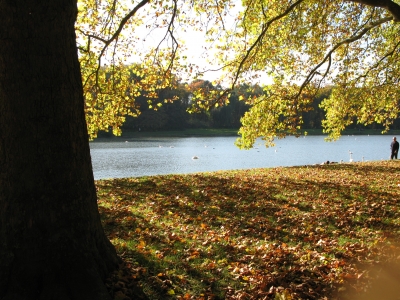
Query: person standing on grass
(394, 146)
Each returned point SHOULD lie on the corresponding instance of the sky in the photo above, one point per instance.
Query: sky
(194, 41)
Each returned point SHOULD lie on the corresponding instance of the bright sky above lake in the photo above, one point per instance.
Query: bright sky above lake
(195, 42)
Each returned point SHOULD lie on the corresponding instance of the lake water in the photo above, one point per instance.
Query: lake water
(155, 156)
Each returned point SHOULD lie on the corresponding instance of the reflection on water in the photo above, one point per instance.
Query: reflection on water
(152, 156)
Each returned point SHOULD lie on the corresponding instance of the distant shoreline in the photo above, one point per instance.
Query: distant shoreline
(131, 135)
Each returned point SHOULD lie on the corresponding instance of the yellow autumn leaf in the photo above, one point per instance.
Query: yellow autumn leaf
(171, 292)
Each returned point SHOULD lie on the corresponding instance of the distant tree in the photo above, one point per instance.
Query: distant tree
(229, 115)
(171, 115)
(313, 118)
(177, 115)
(175, 110)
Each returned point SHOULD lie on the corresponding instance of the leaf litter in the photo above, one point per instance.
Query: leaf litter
(310, 232)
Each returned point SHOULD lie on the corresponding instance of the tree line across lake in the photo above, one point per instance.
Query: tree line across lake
(177, 115)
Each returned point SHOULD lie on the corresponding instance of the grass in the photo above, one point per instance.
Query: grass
(317, 232)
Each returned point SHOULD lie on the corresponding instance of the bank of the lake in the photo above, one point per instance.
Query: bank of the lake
(134, 134)
(215, 132)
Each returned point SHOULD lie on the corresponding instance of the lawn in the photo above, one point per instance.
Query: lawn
(316, 232)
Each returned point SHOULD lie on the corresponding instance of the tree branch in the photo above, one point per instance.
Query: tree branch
(390, 53)
(349, 40)
(117, 33)
(391, 6)
(170, 31)
(265, 28)
(260, 37)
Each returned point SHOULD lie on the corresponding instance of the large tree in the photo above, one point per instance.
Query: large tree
(52, 245)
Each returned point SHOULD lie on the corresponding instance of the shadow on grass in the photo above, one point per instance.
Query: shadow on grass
(252, 233)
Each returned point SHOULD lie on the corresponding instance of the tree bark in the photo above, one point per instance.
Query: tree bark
(52, 245)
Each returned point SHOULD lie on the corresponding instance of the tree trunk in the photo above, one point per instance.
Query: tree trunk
(52, 245)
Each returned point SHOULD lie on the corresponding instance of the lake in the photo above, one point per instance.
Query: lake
(156, 156)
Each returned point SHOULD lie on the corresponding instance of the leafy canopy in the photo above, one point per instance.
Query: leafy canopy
(132, 48)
